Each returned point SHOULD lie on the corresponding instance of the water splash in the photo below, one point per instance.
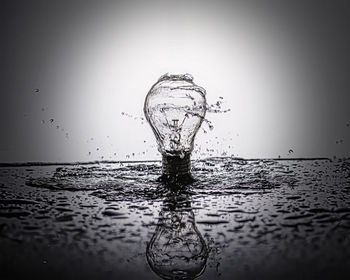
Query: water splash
(135, 181)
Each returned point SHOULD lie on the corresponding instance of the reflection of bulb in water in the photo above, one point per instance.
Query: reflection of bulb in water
(175, 108)
(177, 250)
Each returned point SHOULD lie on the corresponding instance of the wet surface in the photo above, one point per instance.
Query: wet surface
(266, 219)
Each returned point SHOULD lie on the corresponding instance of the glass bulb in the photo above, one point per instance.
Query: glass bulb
(175, 108)
(177, 249)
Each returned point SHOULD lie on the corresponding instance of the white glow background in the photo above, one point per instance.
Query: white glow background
(280, 68)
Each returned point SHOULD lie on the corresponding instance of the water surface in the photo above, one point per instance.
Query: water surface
(241, 219)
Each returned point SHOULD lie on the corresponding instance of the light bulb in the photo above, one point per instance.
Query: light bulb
(175, 108)
(177, 249)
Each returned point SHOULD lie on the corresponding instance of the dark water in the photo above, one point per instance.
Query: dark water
(241, 219)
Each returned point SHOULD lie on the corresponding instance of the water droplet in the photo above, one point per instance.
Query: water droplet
(290, 151)
(42, 121)
(52, 120)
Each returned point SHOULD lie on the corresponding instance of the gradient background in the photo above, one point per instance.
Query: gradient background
(74, 75)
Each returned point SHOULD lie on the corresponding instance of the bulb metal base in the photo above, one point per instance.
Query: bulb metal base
(176, 169)
(175, 165)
